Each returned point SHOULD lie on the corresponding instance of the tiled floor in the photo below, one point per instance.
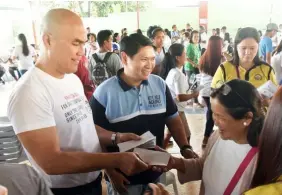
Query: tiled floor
(196, 122)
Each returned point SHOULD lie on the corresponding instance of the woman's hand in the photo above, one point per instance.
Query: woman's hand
(156, 189)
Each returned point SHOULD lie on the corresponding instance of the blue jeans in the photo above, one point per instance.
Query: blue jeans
(23, 71)
(131, 189)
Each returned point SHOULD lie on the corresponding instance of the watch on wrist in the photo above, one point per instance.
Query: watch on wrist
(114, 138)
(185, 147)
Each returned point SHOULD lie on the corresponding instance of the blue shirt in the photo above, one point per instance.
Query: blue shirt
(265, 46)
(118, 107)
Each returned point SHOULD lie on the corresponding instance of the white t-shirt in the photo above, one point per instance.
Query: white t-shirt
(91, 48)
(40, 101)
(204, 37)
(159, 57)
(25, 62)
(276, 63)
(167, 42)
(205, 81)
(177, 83)
(222, 163)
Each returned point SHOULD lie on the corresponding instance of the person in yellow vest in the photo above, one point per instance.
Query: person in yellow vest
(246, 64)
(268, 175)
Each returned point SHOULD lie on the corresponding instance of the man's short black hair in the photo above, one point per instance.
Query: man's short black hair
(223, 28)
(102, 36)
(132, 43)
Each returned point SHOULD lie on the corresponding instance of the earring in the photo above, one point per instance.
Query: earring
(245, 124)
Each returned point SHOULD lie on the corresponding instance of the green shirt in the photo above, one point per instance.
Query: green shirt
(192, 52)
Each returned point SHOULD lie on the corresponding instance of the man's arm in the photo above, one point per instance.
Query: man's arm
(268, 58)
(46, 152)
(269, 50)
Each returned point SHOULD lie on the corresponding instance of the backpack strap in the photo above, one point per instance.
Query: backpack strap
(269, 72)
(96, 58)
(223, 71)
(107, 56)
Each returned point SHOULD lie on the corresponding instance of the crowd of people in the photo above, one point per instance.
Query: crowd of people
(127, 84)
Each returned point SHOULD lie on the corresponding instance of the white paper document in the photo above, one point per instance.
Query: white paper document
(268, 89)
(153, 157)
(148, 140)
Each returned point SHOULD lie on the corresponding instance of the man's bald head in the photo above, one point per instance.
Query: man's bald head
(57, 19)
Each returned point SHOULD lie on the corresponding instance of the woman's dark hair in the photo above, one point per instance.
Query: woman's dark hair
(187, 35)
(260, 33)
(91, 34)
(22, 38)
(153, 30)
(139, 31)
(132, 43)
(278, 49)
(211, 59)
(269, 166)
(217, 31)
(227, 37)
(243, 98)
(242, 34)
(192, 34)
(115, 37)
(169, 60)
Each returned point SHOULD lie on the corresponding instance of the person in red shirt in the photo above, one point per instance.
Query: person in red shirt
(83, 74)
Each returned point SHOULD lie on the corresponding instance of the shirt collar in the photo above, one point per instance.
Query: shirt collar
(123, 84)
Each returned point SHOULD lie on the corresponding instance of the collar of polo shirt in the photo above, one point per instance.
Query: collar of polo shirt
(123, 84)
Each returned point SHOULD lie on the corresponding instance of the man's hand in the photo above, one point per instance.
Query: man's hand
(118, 181)
(130, 164)
(124, 137)
(156, 189)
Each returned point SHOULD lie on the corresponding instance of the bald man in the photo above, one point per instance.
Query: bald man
(53, 120)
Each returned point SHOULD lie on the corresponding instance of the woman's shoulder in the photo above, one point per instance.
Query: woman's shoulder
(273, 189)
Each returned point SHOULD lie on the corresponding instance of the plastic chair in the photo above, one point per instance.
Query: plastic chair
(169, 178)
(10, 146)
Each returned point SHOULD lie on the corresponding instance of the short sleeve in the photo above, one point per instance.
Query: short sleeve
(269, 47)
(177, 84)
(171, 108)
(29, 109)
(218, 78)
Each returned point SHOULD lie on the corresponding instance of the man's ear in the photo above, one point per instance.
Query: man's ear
(46, 38)
(124, 58)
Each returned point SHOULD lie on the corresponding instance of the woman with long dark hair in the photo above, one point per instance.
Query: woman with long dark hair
(245, 64)
(171, 72)
(25, 54)
(208, 65)
(276, 62)
(157, 35)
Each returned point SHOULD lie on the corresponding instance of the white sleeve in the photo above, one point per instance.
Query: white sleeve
(15, 52)
(177, 84)
(29, 108)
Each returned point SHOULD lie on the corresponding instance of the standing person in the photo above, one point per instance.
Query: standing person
(25, 54)
(246, 64)
(176, 81)
(268, 175)
(88, 30)
(175, 36)
(137, 101)
(276, 62)
(237, 109)
(91, 46)
(223, 31)
(123, 32)
(265, 45)
(204, 39)
(188, 28)
(167, 40)
(104, 64)
(193, 54)
(116, 40)
(214, 32)
(49, 104)
(208, 65)
(157, 36)
(186, 40)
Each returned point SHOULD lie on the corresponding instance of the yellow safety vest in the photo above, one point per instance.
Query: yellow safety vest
(270, 189)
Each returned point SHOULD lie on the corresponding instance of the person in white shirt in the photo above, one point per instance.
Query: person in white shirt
(25, 54)
(203, 39)
(276, 62)
(49, 104)
(91, 46)
(175, 36)
(209, 62)
(176, 80)
(167, 40)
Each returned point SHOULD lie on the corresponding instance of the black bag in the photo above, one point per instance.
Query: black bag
(100, 72)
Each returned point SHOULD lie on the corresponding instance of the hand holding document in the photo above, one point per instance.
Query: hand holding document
(152, 157)
(148, 140)
(268, 89)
